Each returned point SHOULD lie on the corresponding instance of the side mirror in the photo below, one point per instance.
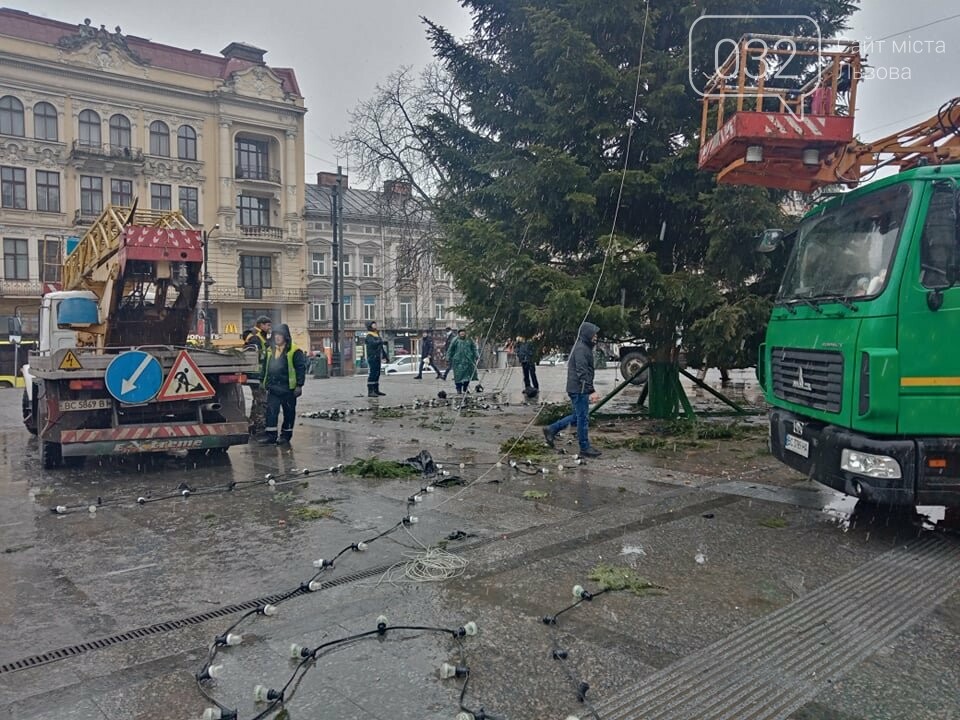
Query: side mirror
(770, 240)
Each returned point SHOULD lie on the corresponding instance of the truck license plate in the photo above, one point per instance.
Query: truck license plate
(86, 404)
(797, 445)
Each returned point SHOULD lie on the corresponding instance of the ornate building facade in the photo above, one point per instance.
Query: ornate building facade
(389, 270)
(90, 116)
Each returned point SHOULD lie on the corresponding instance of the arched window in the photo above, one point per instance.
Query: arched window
(186, 143)
(89, 128)
(11, 116)
(159, 139)
(119, 133)
(45, 121)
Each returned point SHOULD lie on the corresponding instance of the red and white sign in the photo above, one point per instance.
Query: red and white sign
(185, 381)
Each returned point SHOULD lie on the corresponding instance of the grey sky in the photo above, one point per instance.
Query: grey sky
(341, 50)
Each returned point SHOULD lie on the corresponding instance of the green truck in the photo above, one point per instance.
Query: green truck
(859, 362)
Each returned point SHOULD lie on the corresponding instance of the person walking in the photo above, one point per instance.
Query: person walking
(462, 356)
(447, 342)
(258, 338)
(284, 372)
(525, 356)
(426, 354)
(376, 351)
(579, 388)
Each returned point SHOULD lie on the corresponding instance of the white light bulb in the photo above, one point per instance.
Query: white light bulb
(271, 482)
(268, 476)
(470, 628)
(381, 620)
(92, 509)
(314, 585)
(215, 671)
(362, 546)
(544, 471)
(439, 466)
(296, 651)
(446, 473)
(260, 694)
(321, 563)
(560, 467)
(185, 492)
(465, 716)
(499, 464)
(332, 468)
(141, 500)
(269, 610)
(61, 509)
(462, 466)
(513, 463)
(212, 713)
(579, 461)
(447, 671)
(417, 498)
(234, 638)
(430, 488)
(578, 591)
(413, 519)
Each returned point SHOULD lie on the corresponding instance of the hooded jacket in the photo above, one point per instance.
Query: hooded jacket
(288, 372)
(580, 362)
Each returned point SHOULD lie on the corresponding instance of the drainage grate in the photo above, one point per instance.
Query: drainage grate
(159, 628)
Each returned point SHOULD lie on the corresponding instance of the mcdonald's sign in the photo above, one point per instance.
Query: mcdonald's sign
(230, 328)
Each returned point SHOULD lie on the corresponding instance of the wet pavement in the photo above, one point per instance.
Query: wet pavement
(779, 598)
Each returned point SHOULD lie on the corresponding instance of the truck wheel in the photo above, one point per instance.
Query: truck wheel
(51, 456)
(630, 363)
(29, 421)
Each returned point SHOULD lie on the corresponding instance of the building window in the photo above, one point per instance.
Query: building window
(253, 211)
(91, 195)
(318, 311)
(255, 275)
(345, 264)
(89, 126)
(50, 258)
(13, 188)
(367, 268)
(11, 116)
(406, 311)
(440, 274)
(161, 197)
(15, 259)
(318, 264)
(253, 162)
(369, 307)
(347, 307)
(48, 191)
(159, 139)
(186, 143)
(119, 133)
(212, 317)
(439, 309)
(121, 192)
(45, 121)
(190, 204)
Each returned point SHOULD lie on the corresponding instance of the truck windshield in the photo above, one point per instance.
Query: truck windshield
(846, 251)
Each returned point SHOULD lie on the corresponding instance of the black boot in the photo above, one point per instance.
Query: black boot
(376, 389)
(371, 390)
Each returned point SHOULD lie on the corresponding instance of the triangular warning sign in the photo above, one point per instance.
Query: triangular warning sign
(185, 381)
(70, 362)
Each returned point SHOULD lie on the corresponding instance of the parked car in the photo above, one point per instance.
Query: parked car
(555, 359)
(407, 364)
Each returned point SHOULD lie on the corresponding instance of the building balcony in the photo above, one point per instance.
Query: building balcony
(21, 289)
(238, 294)
(85, 217)
(408, 322)
(261, 232)
(84, 151)
(319, 324)
(256, 174)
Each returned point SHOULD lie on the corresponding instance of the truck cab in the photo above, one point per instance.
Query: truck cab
(858, 361)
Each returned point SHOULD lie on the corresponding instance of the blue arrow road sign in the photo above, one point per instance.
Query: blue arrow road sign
(134, 377)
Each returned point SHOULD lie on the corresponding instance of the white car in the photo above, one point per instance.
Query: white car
(555, 359)
(407, 365)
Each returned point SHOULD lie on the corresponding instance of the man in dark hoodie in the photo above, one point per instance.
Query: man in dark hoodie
(284, 372)
(579, 388)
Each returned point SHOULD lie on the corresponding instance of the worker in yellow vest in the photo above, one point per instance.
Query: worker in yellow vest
(284, 372)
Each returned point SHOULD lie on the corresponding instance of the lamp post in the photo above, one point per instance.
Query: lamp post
(207, 282)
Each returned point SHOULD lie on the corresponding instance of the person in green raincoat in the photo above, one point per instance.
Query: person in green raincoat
(462, 355)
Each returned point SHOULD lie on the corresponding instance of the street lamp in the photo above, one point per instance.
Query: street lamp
(207, 282)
